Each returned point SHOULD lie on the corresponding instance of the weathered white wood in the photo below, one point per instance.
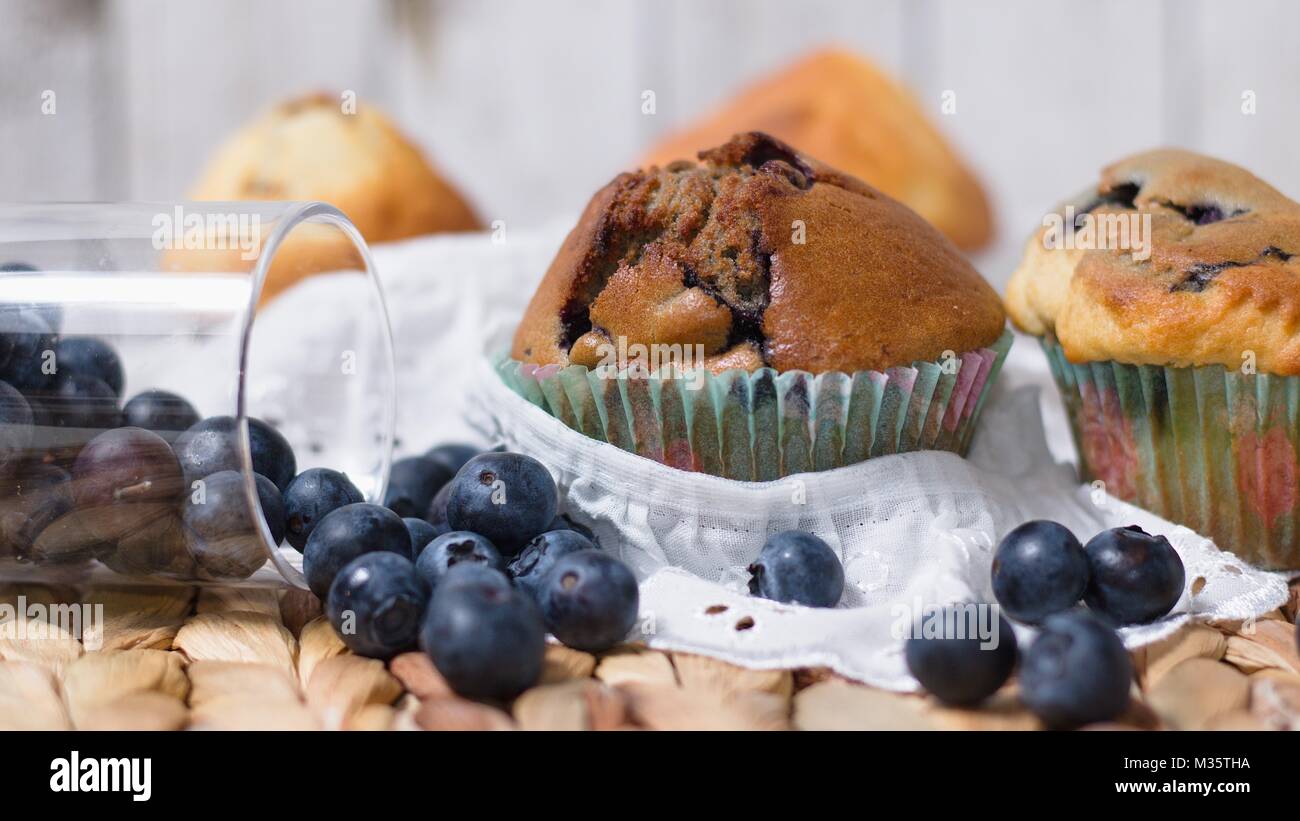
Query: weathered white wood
(530, 105)
(1046, 94)
(1229, 49)
(60, 146)
(193, 72)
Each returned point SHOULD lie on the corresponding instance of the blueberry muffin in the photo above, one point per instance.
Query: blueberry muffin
(1177, 352)
(767, 258)
(309, 149)
(793, 281)
(840, 108)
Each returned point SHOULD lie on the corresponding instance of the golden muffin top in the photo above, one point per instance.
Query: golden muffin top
(760, 256)
(1177, 259)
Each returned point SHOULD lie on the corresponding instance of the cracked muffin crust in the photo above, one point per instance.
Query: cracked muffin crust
(763, 256)
(1222, 278)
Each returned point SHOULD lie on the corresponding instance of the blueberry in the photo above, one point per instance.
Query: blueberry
(347, 533)
(1039, 569)
(452, 456)
(211, 445)
(451, 549)
(82, 401)
(530, 567)
(311, 496)
(412, 482)
(15, 428)
(485, 637)
(224, 537)
(126, 465)
(797, 568)
(473, 573)
(376, 603)
(954, 662)
(589, 600)
(89, 356)
(507, 497)
(437, 513)
(166, 414)
(1076, 672)
(52, 313)
(123, 478)
(25, 339)
(565, 522)
(1135, 577)
(33, 499)
(421, 533)
(162, 546)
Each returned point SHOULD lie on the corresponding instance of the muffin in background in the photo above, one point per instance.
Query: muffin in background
(309, 149)
(822, 322)
(840, 108)
(1176, 354)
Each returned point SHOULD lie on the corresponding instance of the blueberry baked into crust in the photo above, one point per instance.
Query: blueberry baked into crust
(1222, 278)
(766, 258)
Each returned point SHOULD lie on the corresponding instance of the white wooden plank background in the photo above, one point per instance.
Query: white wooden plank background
(531, 104)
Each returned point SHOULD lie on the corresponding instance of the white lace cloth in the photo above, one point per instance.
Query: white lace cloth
(912, 530)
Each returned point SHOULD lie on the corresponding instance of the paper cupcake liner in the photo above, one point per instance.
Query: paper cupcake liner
(1206, 447)
(764, 425)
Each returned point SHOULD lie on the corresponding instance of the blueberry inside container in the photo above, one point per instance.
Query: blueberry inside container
(150, 419)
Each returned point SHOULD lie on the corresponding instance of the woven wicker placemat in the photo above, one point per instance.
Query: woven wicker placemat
(184, 658)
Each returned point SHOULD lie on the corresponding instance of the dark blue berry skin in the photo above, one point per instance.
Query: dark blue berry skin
(223, 534)
(347, 533)
(89, 356)
(421, 533)
(473, 573)
(25, 336)
(211, 445)
(166, 414)
(125, 476)
(376, 604)
(1076, 672)
(486, 638)
(530, 567)
(412, 482)
(452, 456)
(52, 313)
(1039, 569)
(795, 567)
(507, 497)
(563, 522)
(959, 669)
(310, 497)
(589, 600)
(16, 432)
(437, 513)
(40, 494)
(81, 401)
(1135, 577)
(452, 549)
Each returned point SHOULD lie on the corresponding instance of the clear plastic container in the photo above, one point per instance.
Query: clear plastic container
(100, 303)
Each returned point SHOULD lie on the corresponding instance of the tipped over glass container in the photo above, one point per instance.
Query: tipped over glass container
(165, 370)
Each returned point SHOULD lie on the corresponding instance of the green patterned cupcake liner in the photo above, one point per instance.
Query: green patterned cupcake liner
(1206, 447)
(765, 425)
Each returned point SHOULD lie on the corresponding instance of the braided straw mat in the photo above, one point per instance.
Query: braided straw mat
(184, 658)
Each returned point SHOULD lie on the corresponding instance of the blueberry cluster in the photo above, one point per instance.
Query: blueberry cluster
(1077, 670)
(146, 487)
(469, 561)
(82, 475)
